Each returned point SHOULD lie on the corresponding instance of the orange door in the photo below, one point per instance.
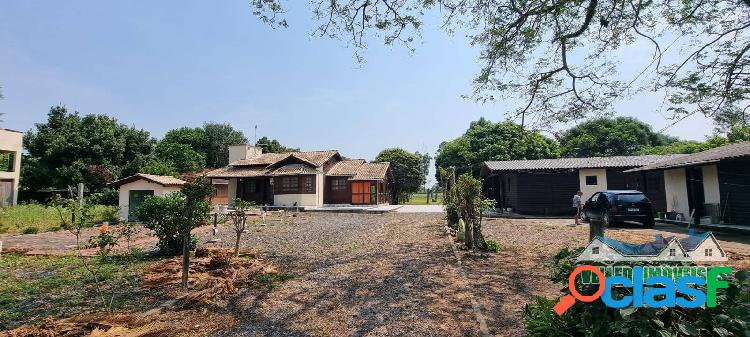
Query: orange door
(360, 192)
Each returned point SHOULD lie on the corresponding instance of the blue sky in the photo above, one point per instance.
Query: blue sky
(159, 65)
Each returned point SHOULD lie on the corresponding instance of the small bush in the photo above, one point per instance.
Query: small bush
(31, 230)
(493, 246)
(165, 216)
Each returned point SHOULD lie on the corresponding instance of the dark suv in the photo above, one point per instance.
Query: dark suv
(611, 207)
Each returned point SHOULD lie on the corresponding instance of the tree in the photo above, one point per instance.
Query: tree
(273, 146)
(601, 137)
(180, 156)
(69, 148)
(407, 172)
(687, 146)
(197, 204)
(485, 141)
(238, 217)
(155, 166)
(218, 138)
(560, 56)
(468, 199)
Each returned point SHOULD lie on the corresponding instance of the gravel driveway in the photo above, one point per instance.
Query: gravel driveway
(357, 275)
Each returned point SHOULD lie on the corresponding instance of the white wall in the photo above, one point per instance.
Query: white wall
(320, 187)
(140, 185)
(711, 184)
(589, 190)
(301, 199)
(675, 186)
(232, 190)
(243, 151)
(12, 141)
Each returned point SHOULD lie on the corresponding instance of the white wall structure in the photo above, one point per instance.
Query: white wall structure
(243, 151)
(140, 185)
(714, 253)
(589, 190)
(232, 190)
(711, 184)
(306, 199)
(11, 143)
(675, 187)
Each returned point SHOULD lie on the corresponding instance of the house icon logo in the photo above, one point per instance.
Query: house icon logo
(695, 248)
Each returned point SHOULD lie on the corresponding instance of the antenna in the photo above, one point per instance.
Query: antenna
(255, 135)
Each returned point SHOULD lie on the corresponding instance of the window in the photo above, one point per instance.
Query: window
(672, 252)
(251, 187)
(595, 251)
(592, 180)
(290, 184)
(709, 252)
(309, 184)
(7, 160)
(338, 185)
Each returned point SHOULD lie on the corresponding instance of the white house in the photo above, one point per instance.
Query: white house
(137, 187)
(11, 144)
(695, 248)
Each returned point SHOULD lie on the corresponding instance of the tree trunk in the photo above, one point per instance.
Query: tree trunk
(237, 245)
(469, 233)
(186, 244)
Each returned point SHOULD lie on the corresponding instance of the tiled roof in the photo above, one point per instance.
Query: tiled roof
(577, 163)
(315, 157)
(693, 241)
(345, 167)
(233, 172)
(714, 155)
(293, 169)
(161, 180)
(371, 171)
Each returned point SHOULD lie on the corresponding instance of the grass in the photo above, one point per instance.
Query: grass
(36, 218)
(421, 199)
(36, 286)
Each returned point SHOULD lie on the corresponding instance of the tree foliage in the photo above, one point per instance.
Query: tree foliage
(485, 140)
(191, 149)
(621, 136)
(407, 172)
(70, 148)
(561, 56)
(274, 146)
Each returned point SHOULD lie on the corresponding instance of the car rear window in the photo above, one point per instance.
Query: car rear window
(633, 197)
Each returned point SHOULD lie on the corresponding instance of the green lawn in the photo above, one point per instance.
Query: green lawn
(421, 199)
(36, 286)
(40, 218)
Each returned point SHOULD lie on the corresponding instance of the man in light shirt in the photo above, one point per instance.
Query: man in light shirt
(578, 206)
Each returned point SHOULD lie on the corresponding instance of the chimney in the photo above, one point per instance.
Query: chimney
(243, 151)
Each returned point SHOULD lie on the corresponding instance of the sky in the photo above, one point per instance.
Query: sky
(160, 65)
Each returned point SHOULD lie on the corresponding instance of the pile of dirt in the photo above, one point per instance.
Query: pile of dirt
(194, 311)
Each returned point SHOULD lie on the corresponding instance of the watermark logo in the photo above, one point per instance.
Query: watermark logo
(651, 286)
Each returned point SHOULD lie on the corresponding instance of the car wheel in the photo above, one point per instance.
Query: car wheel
(606, 220)
(584, 217)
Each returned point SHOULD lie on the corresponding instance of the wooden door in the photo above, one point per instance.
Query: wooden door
(361, 193)
(6, 192)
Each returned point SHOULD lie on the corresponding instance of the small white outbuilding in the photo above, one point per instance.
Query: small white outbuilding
(134, 189)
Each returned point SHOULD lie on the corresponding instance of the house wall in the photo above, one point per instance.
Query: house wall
(675, 188)
(711, 192)
(243, 151)
(589, 190)
(735, 191)
(232, 191)
(139, 185)
(699, 254)
(12, 141)
(302, 199)
(546, 193)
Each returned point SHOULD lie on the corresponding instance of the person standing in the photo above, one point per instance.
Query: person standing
(578, 207)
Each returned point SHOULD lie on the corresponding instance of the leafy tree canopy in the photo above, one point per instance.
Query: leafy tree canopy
(561, 56)
(485, 140)
(621, 136)
(212, 140)
(70, 148)
(274, 146)
(407, 172)
(180, 156)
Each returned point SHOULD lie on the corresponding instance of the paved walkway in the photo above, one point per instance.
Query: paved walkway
(420, 209)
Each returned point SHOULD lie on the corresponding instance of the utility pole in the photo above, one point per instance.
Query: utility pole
(255, 136)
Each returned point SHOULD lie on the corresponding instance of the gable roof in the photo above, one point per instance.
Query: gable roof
(345, 167)
(652, 248)
(292, 169)
(576, 163)
(315, 157)
(736, 150)
(161, 180)
(372, 171)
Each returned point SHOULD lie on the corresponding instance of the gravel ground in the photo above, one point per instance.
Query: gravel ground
(357, 275)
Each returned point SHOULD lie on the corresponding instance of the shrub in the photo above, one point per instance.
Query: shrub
(730, 318)
(493, 246)
(107, 197)
(31, 230)
(165, 215)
